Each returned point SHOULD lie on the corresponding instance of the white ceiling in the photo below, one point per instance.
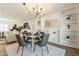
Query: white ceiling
(16, 11)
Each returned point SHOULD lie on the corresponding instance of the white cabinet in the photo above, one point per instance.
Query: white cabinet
(54, 36)
(68, 27)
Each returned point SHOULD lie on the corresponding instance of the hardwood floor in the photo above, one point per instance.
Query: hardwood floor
(69, 50)
(72, 52)
(2, 50)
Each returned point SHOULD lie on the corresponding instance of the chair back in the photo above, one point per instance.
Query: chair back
(42, 33)
(45, 39)
(19, 40)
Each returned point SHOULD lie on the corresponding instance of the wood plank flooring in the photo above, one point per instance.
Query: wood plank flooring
(69, 51)
(2, 50)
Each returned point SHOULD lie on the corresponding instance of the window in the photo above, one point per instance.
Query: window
(3, 27)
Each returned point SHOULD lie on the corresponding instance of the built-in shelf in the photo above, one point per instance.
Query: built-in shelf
(68, 27)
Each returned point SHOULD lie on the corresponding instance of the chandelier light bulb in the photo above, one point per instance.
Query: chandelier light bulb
(24, 3)
(36, 11)
(40, 8)
(33, 8)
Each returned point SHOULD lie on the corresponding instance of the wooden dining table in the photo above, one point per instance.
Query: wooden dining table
(33, 40)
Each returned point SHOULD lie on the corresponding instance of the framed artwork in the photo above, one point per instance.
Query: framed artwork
(51, 23)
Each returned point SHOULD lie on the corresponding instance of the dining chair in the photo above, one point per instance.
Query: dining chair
(40, 35)
(43, 42)
(21, 43)
(25, 37)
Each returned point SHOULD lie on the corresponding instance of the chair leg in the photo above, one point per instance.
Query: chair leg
(31, 45)
(18, 49)
(42, 50)
(22, 50)
(34, 48)
(47, 48)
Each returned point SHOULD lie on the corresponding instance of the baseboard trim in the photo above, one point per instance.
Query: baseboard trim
(60, 46)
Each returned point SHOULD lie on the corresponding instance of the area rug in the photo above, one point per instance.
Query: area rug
(11, 50)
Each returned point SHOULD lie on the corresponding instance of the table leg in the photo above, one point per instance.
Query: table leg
(32, 45)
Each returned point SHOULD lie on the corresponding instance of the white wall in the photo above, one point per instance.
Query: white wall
(54, 16)
(53, 37)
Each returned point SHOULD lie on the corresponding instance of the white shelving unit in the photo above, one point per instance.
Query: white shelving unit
(68, 27)
(54, 36)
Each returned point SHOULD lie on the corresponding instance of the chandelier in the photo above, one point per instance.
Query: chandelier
(35, 12)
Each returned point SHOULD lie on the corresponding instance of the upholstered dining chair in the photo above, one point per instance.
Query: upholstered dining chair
(43, 42)
(40, 35)
(26, 38)
(21, 43)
